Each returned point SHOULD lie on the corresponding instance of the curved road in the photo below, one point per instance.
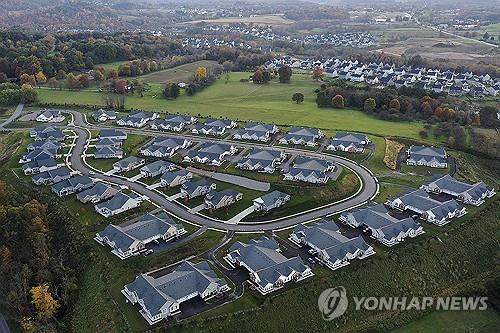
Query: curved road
(369, 189)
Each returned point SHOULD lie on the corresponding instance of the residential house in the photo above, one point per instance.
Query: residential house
(160, 295)
(349, 142)
(43, 133)
(270, 201)
(37, 155)
(128, 164)
(269, 269)
(47, 145)
(210, 153)
(137, 119)
(156, 168)
(309, 170)
(108, 152)
(72, 185)
(174, 123)
(434, 157)
(383, 227)
(50, 116)
(256, 132)
(112, 134)
(195, 189)
(39, 166)
(330, 246)
(471, 194)
(97, 193)
(302, 136)
(163, 147)
(175, 178)
(107, 142)
(51, 176)
(119, 203)
(431, 210)
(261, 160)
(215, 200)
(103, 115)
(131, 238)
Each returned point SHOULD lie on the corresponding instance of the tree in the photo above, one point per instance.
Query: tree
(486, 35)
(40, 77)
(201, 73)
(489, 117)
(285, 73)
(317, 73)
(427, 109)
(121, 87)
(370, 105)
(29, 79)
(3, 77)
(171, 91)
(61, 75)
(84, 80)
(28, 94)
(257, 76)
(394, 105)
(45, 305)
(113, 74)
(298, 97)
(338, 102)
(227, 66)
(98, 76)
(72, 82)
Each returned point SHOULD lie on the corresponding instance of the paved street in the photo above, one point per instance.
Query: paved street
(13, 116)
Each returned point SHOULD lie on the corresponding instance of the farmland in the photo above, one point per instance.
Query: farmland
(180, 73)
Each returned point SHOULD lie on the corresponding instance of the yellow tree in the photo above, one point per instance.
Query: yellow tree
(46, 306)
(201, 73)
(40, 77)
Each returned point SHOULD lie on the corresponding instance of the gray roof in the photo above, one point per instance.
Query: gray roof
(257, 127)
(447, 182)
(302, 131)
(51, 174)
(128, 161)
(171, 175)
(48, 162)
(313, 164)
(192, 186)
(156, 166)
(72, 182)
(107, 141)
(214, 148)
(147, 226)
(97, 190)
(108, 150)
(263, 154)
(269, 199)
(218, 122)
(107, 133)
(421, 200)
(261, 256)
(427, 151)
(116, 202)
(178, 118)
(216, 197)
(186, 279)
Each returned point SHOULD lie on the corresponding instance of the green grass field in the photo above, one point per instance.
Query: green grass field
(111, 65)
(180, 73)
(247, 101)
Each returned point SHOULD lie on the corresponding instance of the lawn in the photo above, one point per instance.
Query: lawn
(247, 101)
(111, 65)
(180, 73)
(454, 321)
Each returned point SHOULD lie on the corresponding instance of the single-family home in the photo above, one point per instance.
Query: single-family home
(119, 203)
(114, 134)
(37, 155)
(108, 152)
(434, 157)
(210, 153)
(51, 176)
(175, 178)
(72, 185)
(302, 136)
(195, 189)
(349, 142)
(160, 295)
(97, 193)
(132, 237)
(107, 142)
(471, 194)
(137, 119)
(50, 116)
(48, 145)
(269, 269)
(39, 166)
(311, 170)
(174, 123)
(103, 115)
(156, 168)
(256, 132)
(270, 201)
(128, 163)
(215, 200)
(261, 160)
(43, 133)
(162, 147)
(329, 245)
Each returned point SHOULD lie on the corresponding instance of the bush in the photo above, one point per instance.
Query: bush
(392, 150)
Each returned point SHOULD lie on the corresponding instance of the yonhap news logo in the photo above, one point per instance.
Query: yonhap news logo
(333, 303)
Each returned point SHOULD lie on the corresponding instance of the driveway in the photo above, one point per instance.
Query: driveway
(233, 179)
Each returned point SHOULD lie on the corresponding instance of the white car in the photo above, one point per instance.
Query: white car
(91, 173)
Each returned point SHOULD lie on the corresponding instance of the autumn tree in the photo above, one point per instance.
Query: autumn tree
(298, 97)
(285, 74)
(370, 105)
(489, 116)
(121, 87)
(113, 74)
(72, 82)
(84, 80)
(29, 79)
(227, 66)
(338, 101)
(40, 77)
(201, 73)
(61, 75)
(45, 305)
(28, 94)
(317, 73)
(394, 105)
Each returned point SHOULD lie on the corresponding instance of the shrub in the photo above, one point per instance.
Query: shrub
(392, 150)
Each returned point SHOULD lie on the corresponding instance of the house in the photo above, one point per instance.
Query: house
(51, 176)
(383, 227)
(331, 247)
(349, 142)
(215, 200)
(261, 160)
(174, 123)
(195, 189)
(270, 201)
(119, 203)
(209, 130)
(39, 166)
(37, 155)
(160, 295)
(455, 91)
(72, 185)
(107, 142)
(103, 115)
(112, 134)
(175, 178)
(162, 147)
(97, 193)
(43, 133)
(128, 163)
(48, 145)
(137, 119)
(108, 152)
(256, 132)
(156, 168)
(434, 157)
(210, 153)
(221, 123)
(471, 194)
(269, 269)
(431, 210)
(302, 136)
(309, 170)
(477, 91)
(50, 116)
(131, 238)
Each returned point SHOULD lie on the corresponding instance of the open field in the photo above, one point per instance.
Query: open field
(111, 65)
(454, 321)
(257, 19)
(180, 73)
(247, 101)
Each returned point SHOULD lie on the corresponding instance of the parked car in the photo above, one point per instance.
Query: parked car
(311, 260)
(148, 252)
